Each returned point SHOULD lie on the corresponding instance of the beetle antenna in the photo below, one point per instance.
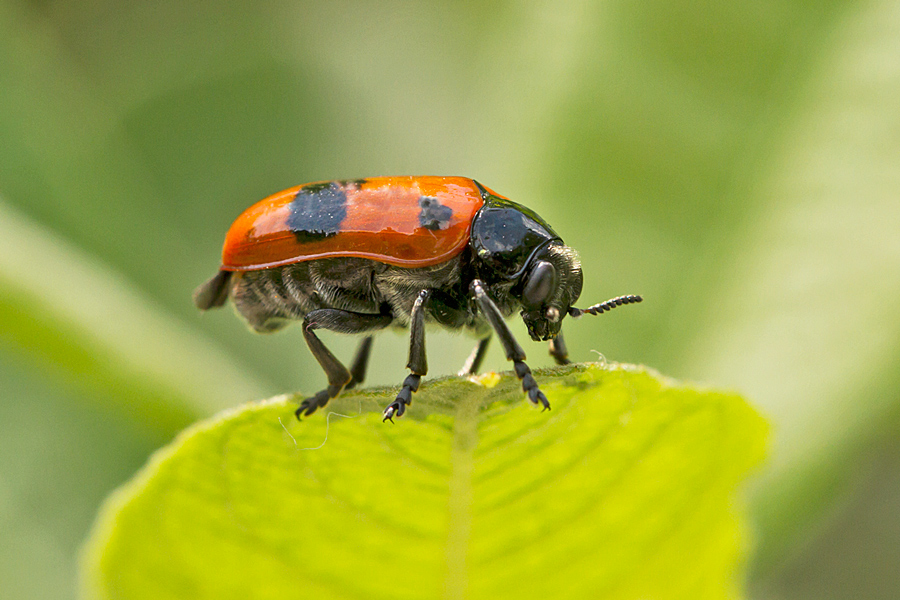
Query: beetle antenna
(604, 306)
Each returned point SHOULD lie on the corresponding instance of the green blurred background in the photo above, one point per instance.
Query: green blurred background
(738, 164)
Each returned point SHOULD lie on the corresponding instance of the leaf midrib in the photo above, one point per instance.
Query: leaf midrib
(459, 525)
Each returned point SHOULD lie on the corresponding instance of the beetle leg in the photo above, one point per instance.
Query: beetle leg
(341, 321)
(418, 364)
(473, 363)
(558, 350)
(513, 350)
(360, 363)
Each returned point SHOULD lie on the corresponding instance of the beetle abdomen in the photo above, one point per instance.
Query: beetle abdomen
(269, 299)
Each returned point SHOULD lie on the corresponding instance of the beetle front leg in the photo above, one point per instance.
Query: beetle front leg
(418, 364)
(558, 350)
(512, 348)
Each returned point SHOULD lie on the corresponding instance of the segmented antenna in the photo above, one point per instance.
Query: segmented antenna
(604, 306)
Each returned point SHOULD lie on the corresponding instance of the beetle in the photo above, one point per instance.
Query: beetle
(357, 256)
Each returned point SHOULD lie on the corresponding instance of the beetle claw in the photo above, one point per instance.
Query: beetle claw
(538, 397)
(312, 404)
(395, 409)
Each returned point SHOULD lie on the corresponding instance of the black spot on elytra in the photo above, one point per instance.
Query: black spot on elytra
(317, 211)
(434, 215)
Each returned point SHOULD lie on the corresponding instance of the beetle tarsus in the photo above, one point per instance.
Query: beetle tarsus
(404, 398)
(529, 385)
(543, 400)
(313, 403)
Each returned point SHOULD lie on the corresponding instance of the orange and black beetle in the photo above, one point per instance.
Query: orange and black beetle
(359, 255)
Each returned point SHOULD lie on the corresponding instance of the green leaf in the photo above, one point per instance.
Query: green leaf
(626, 489)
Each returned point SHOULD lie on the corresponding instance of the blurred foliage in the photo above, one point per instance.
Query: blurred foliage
(625, 490)
(736, 163)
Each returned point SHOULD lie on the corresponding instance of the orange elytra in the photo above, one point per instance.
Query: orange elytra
(402, 221)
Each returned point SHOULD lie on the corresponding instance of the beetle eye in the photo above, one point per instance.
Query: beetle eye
(552, 314)
(541, 283)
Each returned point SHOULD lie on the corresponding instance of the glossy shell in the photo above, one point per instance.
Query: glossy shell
(402, 221)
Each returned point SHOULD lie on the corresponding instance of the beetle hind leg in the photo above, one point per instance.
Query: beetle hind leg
(337, 373)
(339, 377)
(360, 363)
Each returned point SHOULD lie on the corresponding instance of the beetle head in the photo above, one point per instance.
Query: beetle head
(550, 286)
